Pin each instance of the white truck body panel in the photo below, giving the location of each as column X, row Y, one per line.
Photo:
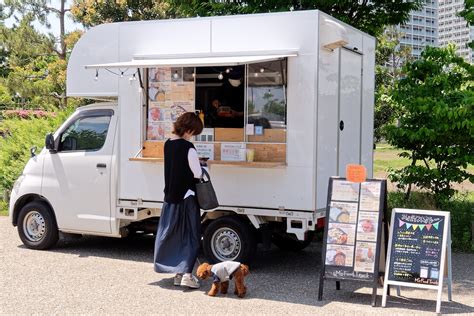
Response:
column 324, row 86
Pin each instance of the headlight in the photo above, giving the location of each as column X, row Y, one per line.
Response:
column 18, row 182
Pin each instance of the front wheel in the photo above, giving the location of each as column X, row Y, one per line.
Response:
column 229, row 238
column 37, row 227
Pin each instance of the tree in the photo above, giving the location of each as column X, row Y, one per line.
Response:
column 34, row 73
column 369, row 16
column 93, row 12
column 436, row 122
column 390, row 57
column 468, row 15
column 40, row 9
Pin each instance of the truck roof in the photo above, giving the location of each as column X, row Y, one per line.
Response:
column 101, row 105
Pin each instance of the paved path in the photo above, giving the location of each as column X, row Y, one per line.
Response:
column 95, row 275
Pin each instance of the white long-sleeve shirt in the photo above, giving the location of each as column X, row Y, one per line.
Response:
column 195, row 166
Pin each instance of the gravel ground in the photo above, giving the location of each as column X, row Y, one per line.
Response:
column 95, row 275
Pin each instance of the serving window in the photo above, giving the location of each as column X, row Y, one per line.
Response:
column 243, row 109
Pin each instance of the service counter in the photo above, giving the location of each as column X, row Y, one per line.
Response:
column 269, row 149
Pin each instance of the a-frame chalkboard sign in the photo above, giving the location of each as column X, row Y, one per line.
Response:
column 353, row 232
column 419, row 244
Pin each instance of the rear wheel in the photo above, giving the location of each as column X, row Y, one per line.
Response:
column 37, row 227
column 229, row 238
column 289, row 242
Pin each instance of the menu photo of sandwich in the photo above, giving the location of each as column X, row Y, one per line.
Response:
column 339, row 255
column 342, row 234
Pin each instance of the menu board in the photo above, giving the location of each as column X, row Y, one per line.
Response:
column 419, row 245
column 353, row 219
column 170, row 94
column 416, row 248
column 352, row 236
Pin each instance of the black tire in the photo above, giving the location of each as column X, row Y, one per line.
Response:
column 233, row 232
column 289, row 242
column 42, row 233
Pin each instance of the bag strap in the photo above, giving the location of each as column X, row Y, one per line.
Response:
column 205, row 173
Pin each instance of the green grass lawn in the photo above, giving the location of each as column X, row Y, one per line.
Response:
column 386, row 157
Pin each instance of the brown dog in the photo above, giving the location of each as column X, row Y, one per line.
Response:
column 222, row 273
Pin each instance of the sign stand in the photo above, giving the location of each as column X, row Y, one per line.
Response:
column 353, row 229
column 418, row 259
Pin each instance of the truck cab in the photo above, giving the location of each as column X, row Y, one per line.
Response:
column 68, row 184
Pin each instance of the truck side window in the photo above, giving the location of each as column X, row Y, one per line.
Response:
column 85, row 133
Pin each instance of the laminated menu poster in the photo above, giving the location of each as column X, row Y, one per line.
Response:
column 419, row 246
column 352, row 237
column 233, row 152
column 169, row 96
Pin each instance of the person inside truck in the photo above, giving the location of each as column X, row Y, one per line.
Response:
column 222, row 115
column 178, row 236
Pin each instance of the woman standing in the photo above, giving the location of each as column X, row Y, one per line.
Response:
column 178, row 237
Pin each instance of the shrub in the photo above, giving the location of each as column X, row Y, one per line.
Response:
column 27, row 114
column 460, row 207
column 17, row 136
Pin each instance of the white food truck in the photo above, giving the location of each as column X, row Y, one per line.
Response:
column 287, row 102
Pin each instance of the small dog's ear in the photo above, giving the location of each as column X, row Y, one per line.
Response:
column 245, row 269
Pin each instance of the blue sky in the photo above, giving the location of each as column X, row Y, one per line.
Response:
column 54, row 21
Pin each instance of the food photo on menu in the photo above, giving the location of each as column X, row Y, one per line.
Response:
column 345, row 191
column 364, row 257
column 367, row 225
column 339, row 255
column 341, row 234
column 342, row 212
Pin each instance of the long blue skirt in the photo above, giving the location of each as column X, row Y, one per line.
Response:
column 178, row 237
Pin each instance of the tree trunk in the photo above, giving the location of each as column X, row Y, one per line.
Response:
column 62, row 36
column 62, row 31
column 407, row 195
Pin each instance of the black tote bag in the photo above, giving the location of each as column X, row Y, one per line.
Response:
column 205, row 193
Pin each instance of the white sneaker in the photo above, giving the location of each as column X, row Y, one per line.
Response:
column 190, row 281
column 177, row 279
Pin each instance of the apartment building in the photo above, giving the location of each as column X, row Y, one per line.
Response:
column 453, row 28
column 421, row 29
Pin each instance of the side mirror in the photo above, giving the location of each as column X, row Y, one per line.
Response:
column 33, row 151
column 49, row 142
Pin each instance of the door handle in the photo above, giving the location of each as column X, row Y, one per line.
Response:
column 101, row 165
column 341, row 125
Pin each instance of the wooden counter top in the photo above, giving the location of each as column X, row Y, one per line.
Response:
column 147, row 159
column 244, row 164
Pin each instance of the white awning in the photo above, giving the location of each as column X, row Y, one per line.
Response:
column 203, row 61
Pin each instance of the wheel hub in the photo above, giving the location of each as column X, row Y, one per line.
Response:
column 226, row 244
column 34, row 226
